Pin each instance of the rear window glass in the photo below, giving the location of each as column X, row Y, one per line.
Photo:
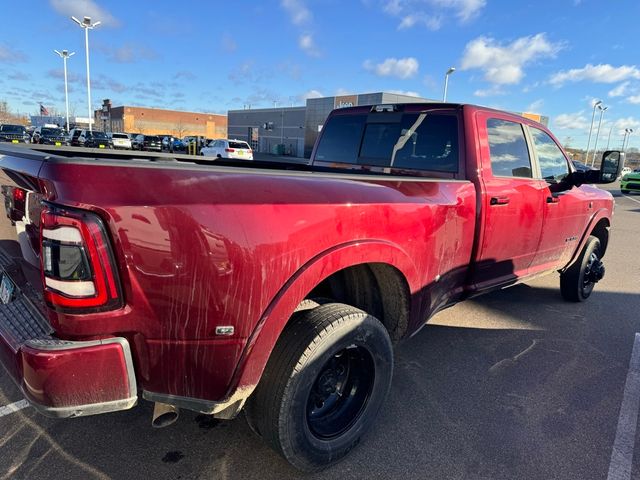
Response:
column 420, row 141
column 238, row 145
column 152, row 139
column 100, row 135
column 51, row 131
column 120, row 135
column 15, row 129
column 508, row 149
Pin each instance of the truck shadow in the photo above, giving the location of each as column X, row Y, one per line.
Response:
column 487, row 389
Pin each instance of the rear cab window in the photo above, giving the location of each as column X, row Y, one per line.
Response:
column 423, row 141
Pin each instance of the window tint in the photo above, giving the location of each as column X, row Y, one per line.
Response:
column 553, row 163
column 120, row 135
column 238, row 145
column 412, row 141
column 340, row 139
column 508, row 149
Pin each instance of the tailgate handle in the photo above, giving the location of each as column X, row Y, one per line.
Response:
column 499, row 201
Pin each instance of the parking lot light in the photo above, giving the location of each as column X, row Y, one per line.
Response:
column 87, row 25
column 593, row 116
column 65, row 54
column 446, row 82
column 595, row 145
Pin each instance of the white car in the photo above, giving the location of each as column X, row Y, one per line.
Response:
column 121, row 140
column 233, row 149
column 625, row 171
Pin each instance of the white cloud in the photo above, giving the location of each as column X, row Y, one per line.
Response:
column 311, row 94
column 620, row 90
column 602, row 73
column 503, row 64
column 308, row 46
column 536, row 106
column 297, row 10
column 394, row 67
column 489, row 92
column 409, row 93
column 84, row 8
column 635, row 99
column 228, row 44
column 431, row 13
column 572, row 121
column 343, row 91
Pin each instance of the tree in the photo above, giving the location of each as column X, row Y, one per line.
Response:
column 179, row 129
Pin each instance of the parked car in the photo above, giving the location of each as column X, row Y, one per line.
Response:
column 232, row 149
column 625, row 170
column 97, row 139
column 147, row 143
column 630, row 182
column 172, row 144
column 13, row 133
column 49, row 136
column 281, row 289
column 76, row 137
column 121, row 140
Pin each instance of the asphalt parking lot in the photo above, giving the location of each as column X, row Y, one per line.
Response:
column 517, row 384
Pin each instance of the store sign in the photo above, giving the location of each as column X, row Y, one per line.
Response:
column 345, row 101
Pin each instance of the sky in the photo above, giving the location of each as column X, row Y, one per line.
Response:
column 555, row 57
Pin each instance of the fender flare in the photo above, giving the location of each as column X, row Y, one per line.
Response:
column 600, row 214
column 262, row 340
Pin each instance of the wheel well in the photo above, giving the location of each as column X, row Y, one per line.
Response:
column 601, row 231
column 377, row 288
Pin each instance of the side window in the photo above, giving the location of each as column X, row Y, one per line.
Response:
column 553, row 163
column 508, row 149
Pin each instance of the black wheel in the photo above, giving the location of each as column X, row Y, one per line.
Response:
column 323, row 386
column 624, row 191
column 577, row 282
column 219, row 156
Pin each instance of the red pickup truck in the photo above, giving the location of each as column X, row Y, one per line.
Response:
column 274, row 287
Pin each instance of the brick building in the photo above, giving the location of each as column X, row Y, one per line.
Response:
column 154, row 121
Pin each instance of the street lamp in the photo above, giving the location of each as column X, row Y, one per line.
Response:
column 593, row 115
column 609, row 138
column 446, row 82
column 87, row 25
column 625, row 140
column 595, row 145
column 64, row 54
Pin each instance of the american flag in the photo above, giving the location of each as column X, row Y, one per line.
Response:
column 43, row 110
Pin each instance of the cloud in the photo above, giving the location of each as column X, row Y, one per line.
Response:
column 84, row 8
column 489, row 92
column 402, row 68
column 602, row 73
column 431, row 13
column 104, row 82
column 184, row 74
column 10, row 55
column 635, row 99
column 311, row 94
column 620, row 90
column 19, row 76
column 72, row 77
column 228, row 44
column 503, row 64
column 408, row 93
column 297, row 10
column 130, row 53
column 535, row 106
column 308, row 46
column 572, row 121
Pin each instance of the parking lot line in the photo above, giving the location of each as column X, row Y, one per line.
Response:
column 630, row 198
column 13, row 407
column 622, row 454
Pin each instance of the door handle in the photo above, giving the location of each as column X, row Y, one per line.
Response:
column 499, row 201
column 553, row 199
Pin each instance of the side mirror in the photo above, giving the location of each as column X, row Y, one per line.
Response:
column 610, row 168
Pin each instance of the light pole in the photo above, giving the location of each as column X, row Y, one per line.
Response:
column 593, row 115
column 446, row 82
column 609, row 139
column 625, row 140
column 64, row 54
column 595, row 144
column 87, row 25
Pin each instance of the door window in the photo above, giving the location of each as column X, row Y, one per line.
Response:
column 508, row 149
column 553, row 163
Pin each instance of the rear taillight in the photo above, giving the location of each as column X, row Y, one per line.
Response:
column 78, row 268
column 230, row 150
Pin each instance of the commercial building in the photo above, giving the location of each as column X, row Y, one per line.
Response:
column 294, row 130
column 157, row 121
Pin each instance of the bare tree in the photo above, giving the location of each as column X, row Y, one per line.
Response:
column 179, row 129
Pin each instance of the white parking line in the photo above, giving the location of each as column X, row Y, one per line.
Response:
column 13, row 407
column 630, row 198
column 622, row 454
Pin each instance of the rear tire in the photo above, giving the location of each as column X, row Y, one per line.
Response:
column 624, row 191
column 323, row 386
column 577, row 282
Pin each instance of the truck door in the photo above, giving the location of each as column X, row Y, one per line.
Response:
column 511, row 201
column 565, row 212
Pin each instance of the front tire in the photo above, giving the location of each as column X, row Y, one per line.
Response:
column 323, row 386
column 625, row 191
column 578, row 281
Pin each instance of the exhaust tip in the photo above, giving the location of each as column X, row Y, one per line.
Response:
column 164, row 415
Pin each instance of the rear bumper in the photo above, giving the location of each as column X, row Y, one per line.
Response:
column 64, row 378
